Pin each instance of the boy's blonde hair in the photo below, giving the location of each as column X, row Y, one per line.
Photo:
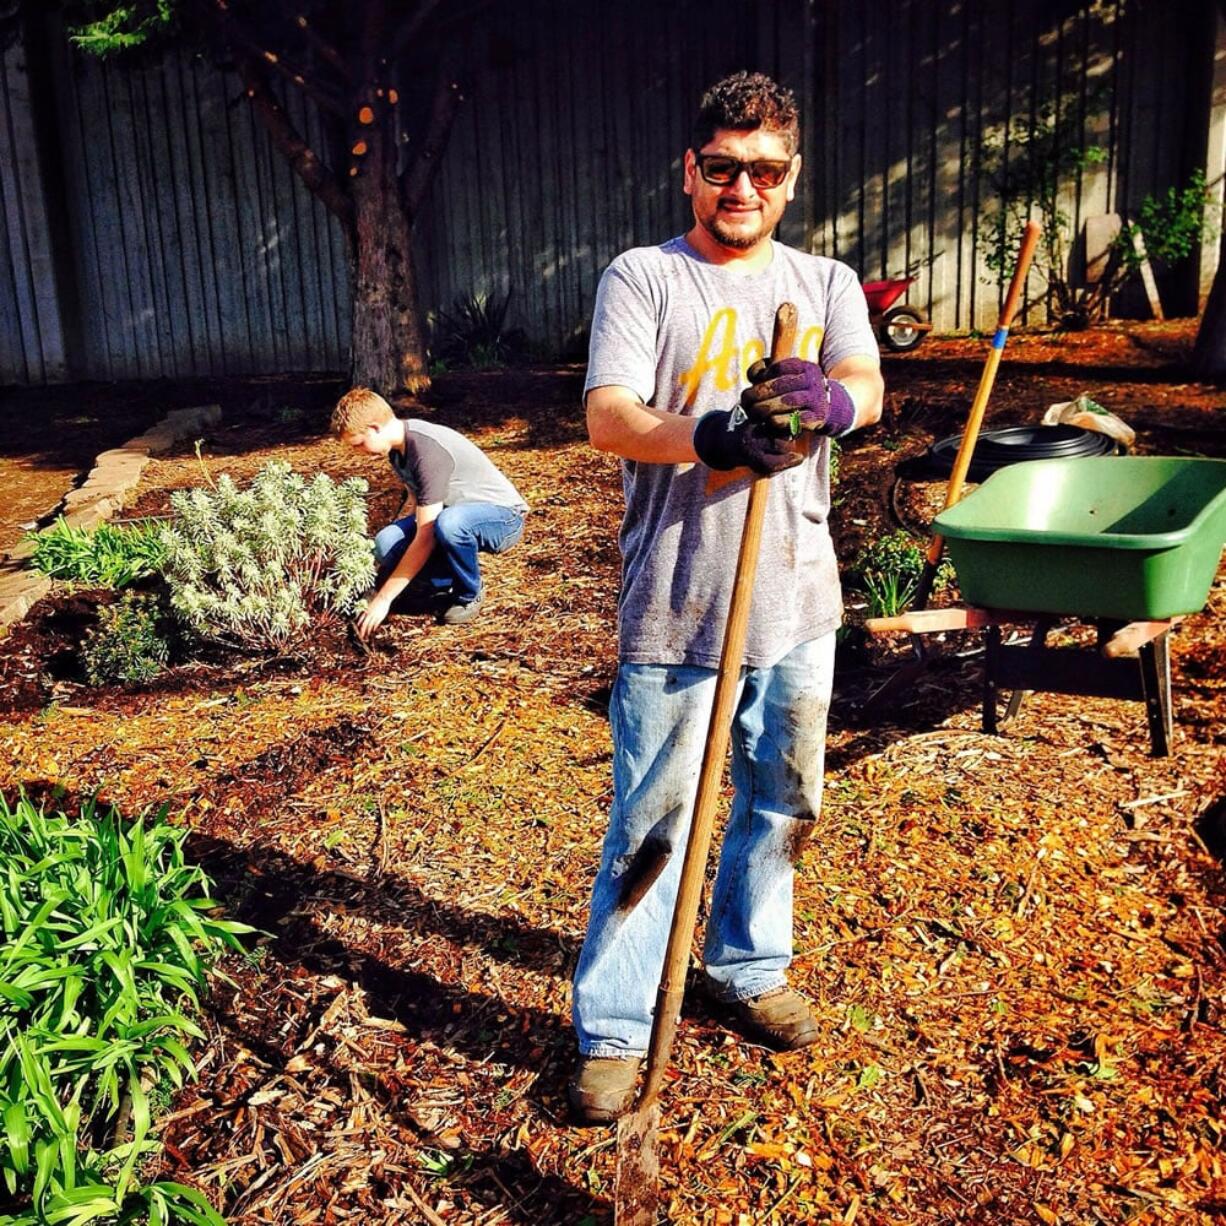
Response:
column 358, row 408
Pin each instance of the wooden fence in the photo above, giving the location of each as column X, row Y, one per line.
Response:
column 150, row 229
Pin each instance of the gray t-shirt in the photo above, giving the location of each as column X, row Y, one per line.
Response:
column 440, row 465
column 681, row 332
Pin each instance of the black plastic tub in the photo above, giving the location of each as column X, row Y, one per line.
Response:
column 996, row 449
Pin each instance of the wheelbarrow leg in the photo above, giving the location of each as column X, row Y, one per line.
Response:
column 990, row 660
column 1154, row 659
column 1038, row 640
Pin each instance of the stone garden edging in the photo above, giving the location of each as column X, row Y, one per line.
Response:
column 114, row 476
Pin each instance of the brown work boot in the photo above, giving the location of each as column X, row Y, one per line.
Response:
column 780, row 1019
column 602, row 1088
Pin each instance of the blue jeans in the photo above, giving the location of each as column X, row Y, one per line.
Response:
column 659, row 716
column 460, row 532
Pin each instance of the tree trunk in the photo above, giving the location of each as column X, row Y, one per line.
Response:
column 1209, row 354
column 389, row 343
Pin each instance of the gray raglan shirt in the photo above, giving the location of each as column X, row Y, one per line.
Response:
column 680, row 333
column 440, row 465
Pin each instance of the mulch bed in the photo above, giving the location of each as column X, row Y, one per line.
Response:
column 1016, row 944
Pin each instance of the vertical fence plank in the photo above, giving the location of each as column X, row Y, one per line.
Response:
column 20, row 348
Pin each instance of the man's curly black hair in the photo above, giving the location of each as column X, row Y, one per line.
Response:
column 743, row 102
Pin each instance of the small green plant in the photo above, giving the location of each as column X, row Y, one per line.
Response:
column 836, row 458
column 254, row 568
column 106, row 556
column 108, row 934
column 889, row 570
column 126, row 644
column 473, row 333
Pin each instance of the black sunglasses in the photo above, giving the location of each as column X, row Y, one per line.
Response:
column 720, row 170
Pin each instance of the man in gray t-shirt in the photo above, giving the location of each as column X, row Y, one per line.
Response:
column 678, row 332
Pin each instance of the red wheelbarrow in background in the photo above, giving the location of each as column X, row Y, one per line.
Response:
column 900, row 327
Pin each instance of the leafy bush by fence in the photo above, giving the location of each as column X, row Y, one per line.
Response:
column 252, row 568
column 107, row 937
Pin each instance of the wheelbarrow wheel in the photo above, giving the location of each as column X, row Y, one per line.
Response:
column 899, row 330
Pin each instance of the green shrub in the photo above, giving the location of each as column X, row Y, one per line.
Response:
column 889, row 570
column 106, row 556
column 108, row 934
column 253, row 568
column 473, row 333
column 126, row 644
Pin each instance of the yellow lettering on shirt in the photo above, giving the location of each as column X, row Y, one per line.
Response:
column 717, row 353
column 810, row 347
column 727, row 363
column 754, row 350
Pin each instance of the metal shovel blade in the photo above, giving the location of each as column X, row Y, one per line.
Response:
column 637, row 1187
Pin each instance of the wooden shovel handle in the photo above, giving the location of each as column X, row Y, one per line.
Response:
column 970, row 435
column 693, row 869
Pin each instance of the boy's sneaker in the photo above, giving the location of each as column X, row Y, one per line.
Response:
column 780, row 1019
column 602, row 1088
column 457, row 614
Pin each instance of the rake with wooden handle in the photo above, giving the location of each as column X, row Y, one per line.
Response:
column 970, row 435
column 910, row 671
column 638, row 1164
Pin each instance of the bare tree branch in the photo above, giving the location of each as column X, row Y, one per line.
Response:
column 301, row 157
column 374, row 39
column 415, row 21
column 302, row 23
column 241, row 38
column 448, row 96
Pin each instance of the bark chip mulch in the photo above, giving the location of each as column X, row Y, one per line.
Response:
column 1015, row 944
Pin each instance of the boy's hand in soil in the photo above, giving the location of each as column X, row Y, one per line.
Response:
column 374, row 615
column 793, row 395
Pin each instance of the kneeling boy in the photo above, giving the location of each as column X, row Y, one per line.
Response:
column 464, row 506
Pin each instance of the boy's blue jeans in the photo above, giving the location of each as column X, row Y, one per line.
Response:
column 460, row 533
column 659, row 716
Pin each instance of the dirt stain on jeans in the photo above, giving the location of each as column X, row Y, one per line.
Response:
column 797, row 835
column 648, row 862
column 645, row 867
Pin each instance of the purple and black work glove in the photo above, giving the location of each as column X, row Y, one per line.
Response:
column 792, row 396
column 728, row 438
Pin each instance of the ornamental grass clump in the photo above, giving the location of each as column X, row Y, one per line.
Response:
column 255, row 568
column 106, row 556
column 107, row 937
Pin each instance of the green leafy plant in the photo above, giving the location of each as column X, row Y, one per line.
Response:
column 1175, row 222
column 106, row 556
column 126, row 644
column 1032, row 165
column 254, row 568
column 123, row 27
column 473, row 333
column 889, row 570
column 108, row 934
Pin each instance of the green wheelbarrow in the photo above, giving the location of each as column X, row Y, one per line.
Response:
column 1131, row 544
